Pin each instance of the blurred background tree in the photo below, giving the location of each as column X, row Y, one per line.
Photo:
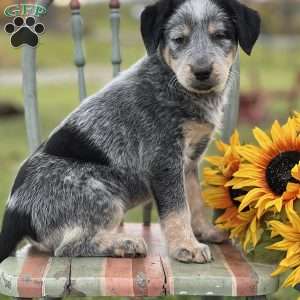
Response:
column 279, row 16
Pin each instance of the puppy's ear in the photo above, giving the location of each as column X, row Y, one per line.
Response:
column 247, row 22
column 153, row 20
column 150, row 34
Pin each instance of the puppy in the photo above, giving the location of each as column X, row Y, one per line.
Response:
column 140, row 138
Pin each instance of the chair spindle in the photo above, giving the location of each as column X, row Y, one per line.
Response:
column 79, row 54
column 30, row 92
column 30, row 97
column 114, row 6
column 231, row 112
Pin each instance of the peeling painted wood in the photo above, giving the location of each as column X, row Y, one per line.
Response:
column 34, row 274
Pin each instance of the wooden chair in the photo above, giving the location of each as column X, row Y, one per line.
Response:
column 36, row 275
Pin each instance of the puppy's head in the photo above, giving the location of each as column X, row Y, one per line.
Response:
column 198, row 39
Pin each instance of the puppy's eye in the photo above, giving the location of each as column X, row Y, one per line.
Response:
column 179, row 40
column 220, row 36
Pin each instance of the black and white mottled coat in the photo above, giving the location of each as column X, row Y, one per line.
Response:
column 138, row 139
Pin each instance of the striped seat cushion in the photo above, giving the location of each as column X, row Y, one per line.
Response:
column 33, row 274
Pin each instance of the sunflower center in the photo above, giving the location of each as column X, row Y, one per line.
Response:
column 278, row 172
column 234, row 194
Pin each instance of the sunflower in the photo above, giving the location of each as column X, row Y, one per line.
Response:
column 266, row 169
column 297, row 120
column 290, row 244
column 242, row 225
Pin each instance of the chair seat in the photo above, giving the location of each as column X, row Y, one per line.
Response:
column 33, row 274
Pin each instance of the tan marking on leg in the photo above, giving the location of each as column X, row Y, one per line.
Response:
column 182, row 244
column 202, row 229
column 193, row 132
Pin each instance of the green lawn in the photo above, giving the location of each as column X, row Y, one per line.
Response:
column 275, row 68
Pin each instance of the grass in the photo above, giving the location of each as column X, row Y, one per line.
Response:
column 270, row 69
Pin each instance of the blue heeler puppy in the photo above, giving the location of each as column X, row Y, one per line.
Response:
column 139, row 139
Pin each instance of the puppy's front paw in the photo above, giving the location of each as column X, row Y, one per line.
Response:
column 191, row 251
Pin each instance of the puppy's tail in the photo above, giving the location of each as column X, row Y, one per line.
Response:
column 12, row 233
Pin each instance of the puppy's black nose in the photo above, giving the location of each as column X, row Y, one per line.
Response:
column 202, row 72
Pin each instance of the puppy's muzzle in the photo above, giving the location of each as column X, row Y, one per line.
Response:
column 202, row 72
column 202, row 76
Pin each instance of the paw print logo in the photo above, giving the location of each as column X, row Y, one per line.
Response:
column 24, row 32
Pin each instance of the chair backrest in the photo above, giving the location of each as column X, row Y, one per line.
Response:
column 29, row 66
column 30, row 82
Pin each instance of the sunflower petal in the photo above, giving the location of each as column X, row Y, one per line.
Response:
column 247, row 240
column 278, row 202
column 280, row 246
column 222, row 147
column 292, row 215
column 262, row 138
column 214, row 179
column 252, row 196
column 294, row 249
column 296, row 172
column 228, row 214
column 292, row 279
column 214, row 160
column 286, row 231
column 277, row 133
column 279, row 270
column 291, row 262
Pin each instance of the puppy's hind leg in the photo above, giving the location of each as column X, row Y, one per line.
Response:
column 95, row 200
column 101, row 238
column 81, row 247
column 104, row 244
